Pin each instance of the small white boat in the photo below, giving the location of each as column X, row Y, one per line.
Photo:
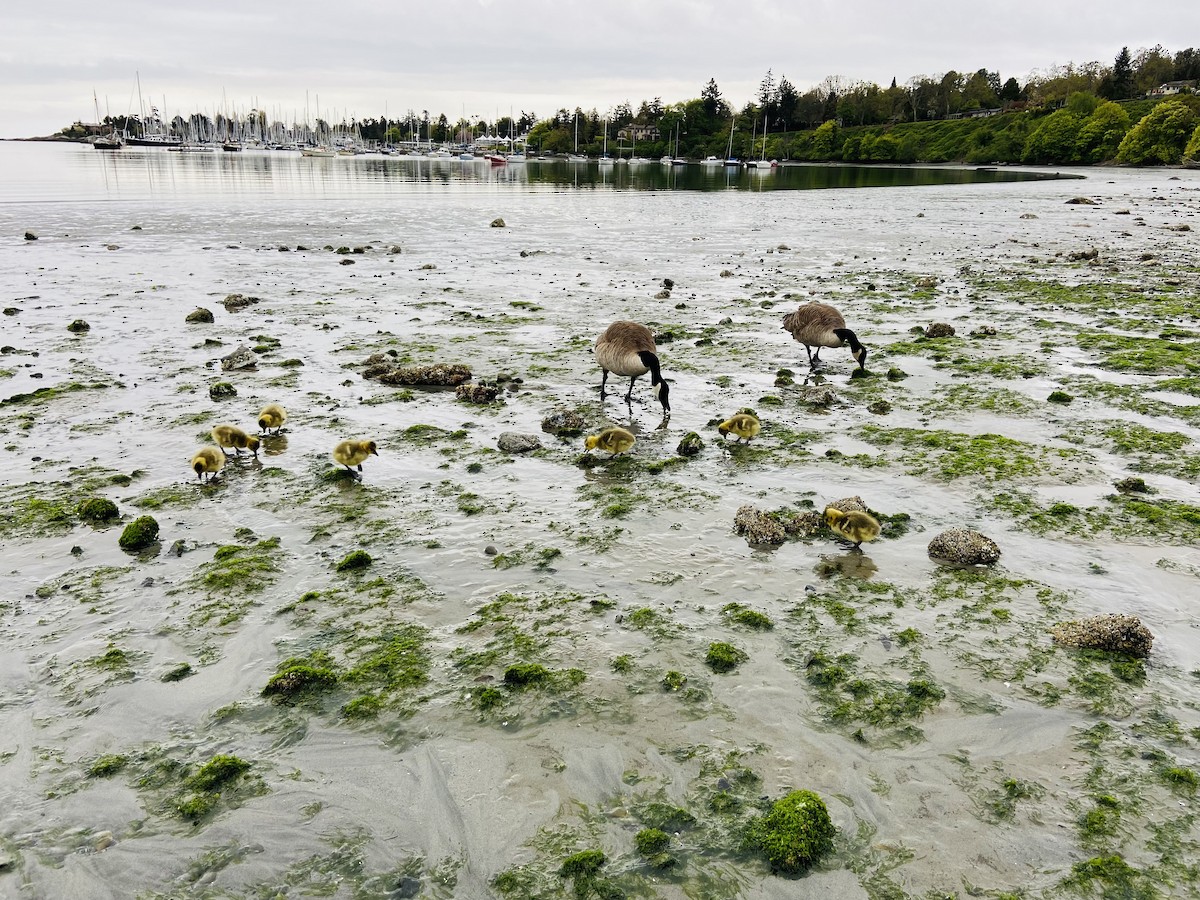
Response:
column 317, row 151
column 711, row 161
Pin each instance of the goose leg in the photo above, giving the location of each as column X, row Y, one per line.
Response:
column 629, row 393
column 603, row 381
column 816, row 357
column 808, row 350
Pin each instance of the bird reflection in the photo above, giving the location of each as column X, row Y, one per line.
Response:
column 853, row 564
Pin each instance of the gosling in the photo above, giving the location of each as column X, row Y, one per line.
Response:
column 627, row 348
column 271, row 418
column 855, row 527
column 208, row 461
column 821, row 325
column 234, row 438
column 743, row 425
column 611, row 441
column 352, row 453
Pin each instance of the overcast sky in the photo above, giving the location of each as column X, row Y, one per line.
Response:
column 481, row 58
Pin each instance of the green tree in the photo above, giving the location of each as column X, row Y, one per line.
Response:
column 823, row 140
column 1053, row 141
column 711, row 95
column 1101, row 134
column 787, row 100
column 1192, row 150
column 1151, row 68
column 1187, row 64
column 1122, row 76
column 1011, row 92
column 1160, row 137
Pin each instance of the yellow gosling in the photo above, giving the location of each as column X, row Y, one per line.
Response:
column 272, row 418
column 352, row 453
column 743, row 425
column 611, row 441
column 233, row 438
column 855, row 527
column 208, row 461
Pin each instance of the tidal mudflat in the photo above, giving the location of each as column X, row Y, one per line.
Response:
column 465, row 674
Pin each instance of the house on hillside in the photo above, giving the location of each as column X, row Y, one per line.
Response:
column 636, row 132
column 1174, row 87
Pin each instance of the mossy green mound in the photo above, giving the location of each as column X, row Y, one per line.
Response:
column 139, row 534
column 97, row 510
column 795, row 833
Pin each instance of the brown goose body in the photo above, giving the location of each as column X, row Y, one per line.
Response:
column 821, row 325
column 627, row 348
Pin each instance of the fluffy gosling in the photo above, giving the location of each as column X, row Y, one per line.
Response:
column 352, row 453
column 743, row 425
column 271, row 418
column 208, row 461
column 855, row 527
column 234, row 438
column 611, row 441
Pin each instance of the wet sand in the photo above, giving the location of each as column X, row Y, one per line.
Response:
column 962, row 751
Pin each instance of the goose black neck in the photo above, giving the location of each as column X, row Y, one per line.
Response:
column 848, row 337
column 650, row 361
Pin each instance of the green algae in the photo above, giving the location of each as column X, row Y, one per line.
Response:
column 108, row 765
column 301, row 678
column 139, row 534
column 950, row 455
column 751, row 619
column 354, row 561
column 1144, row 355
column 97, row 510
column 239, row 570
column 795, row 833
column 724, row 657
column 50, row 394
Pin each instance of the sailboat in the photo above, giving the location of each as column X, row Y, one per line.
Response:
column 763, row 163
column 111, row 141
column 729, row 158
column 605, row 159
column 576, row 157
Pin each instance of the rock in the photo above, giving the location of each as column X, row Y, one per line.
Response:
column 1028, row 216
column 11, row 310
column 663, row 295
column 200, row 314
column 728, row 320
column 241, row 358
column 818, row 395
column 477, row 393
column 79, row 327
column 984, row 331
column 498, row 222
column 234, row 302
column 1133, row 485
column 1114, row 633
column 668, row 283
column 222, row 390
column 490, row 550
column 515, row 442
column 97, row 510
column 850, row 504
column 102, row 840
column 1081, row 201
column 30, row 236
column 563, row 422
column 1059, row 397
column 690, row 445
column 939, row 330
column 437, row 375
column 406, row 888
column 964, row 547
column 139, row 534
column 894, row 374
column 758, row 527
column 879, row 408
column 178, row 548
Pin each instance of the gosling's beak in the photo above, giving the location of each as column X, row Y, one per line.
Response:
column 374, row 452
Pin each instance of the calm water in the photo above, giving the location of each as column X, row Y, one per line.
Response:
column 41, row 172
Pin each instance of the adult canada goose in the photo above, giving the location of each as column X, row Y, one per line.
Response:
column 855, row 527
column 627, row 348
column 821, row 325
column 208, row 461
column 272, row 418
column 232, row 437
column 611, row 440
column 743, row 425
column 352, row 453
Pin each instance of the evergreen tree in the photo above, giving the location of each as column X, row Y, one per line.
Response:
column 1122, row 76
column 711, row 95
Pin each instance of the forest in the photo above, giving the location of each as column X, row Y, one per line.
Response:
column 1142, row 109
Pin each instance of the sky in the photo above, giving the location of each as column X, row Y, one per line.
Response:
column 485, row 58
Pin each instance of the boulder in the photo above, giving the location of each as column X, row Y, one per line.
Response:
column 477, row 393
column 200, row 314
column 850, row 504
column 939, row 330
column 241, row 358
column 516, row 442
column 965, row 547
column 563, row 422
column 79, row 327
column 690, row 445
column 498, row 222
column 1115, row 633
column 436, row 375
column 234, row 302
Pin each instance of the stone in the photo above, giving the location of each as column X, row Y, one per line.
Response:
column 436, row 375
column 516, row 442
column 1081, row 201
column 481, row 392
column 984, row 331
column 758, row 527
column 139, row 534
column 939, row 330
column 241, row 358
column 879, row 408
column 30, row 236
column 1113, row 632
column 965, row 547
column 200, row 314
column 850, row 504
column 691, row 444
column 498, row 222
column 79, row 327
column 563, row 422
column 222, row 390
column 406, row 888
column 1132, row 485
column 818, row 395
column 234, row 302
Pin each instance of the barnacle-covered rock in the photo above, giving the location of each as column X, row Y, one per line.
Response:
column 234, row 302
column 690, row 445
column 437, row 375
column 200, row 314
column 964, row 547
column 850, row 504
column 939, row 330
column 563, row 422
column 481, row 392
column 1114, row 632
column 758, row 527
column 241, row 358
